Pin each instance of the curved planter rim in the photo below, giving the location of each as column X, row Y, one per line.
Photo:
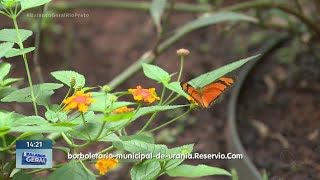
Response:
column 245, row 167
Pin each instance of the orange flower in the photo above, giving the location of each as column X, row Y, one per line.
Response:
column 104, row 165
column 79, row 100
column 122, row 110
column 144, row 95
column 183, row 52
column 193, row 101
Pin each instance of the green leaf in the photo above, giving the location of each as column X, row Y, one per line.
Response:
column 30, row 120
column 65, row 124
column 118, row 117
column 4, row 70
column 156, row 10
column 92, row 129
column 88, row 116
column 5, row 91
column 42, row 93
column 151, row 169
column 4, row 48
column 4, row 130
column 21, row 176
column 27, row 4
column 8, row 3
column 55, row 116
column 9, row 81
column 147, row 138
column 184, row 150
column 135, row 146
column 213, row 18
column 40, row 129
column 103, row 102
column 71, row 171
column 8, row 118
column 156, row 73
column 209, row 77
column 17, row 52
column 66, row 76
column 147, row 110
column 144, row 111
column 110, row 138
column 145, row 170
column 176, row 87
column 38, row 136
column 196, row 171
column 10, row 35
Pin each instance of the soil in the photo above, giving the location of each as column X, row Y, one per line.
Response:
column 283, row 98
column 104, row 44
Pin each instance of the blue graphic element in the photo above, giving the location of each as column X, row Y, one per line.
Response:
column 34, row 154
column 31, row 158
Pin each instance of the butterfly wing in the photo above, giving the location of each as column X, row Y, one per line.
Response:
column 212, row 91
column 192, row 92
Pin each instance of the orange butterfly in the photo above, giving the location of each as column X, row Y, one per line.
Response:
column 207, row 95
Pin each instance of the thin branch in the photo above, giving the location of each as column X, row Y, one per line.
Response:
column 129, row 5
column 311, row 25
column 144, row 6
column 37, row 45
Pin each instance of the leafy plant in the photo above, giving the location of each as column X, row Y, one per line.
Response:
column 101, row 116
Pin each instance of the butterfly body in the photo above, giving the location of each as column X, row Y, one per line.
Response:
column 208, row 94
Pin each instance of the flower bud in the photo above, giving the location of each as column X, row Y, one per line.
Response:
column 183, row 52
column 78, row 87
column 106, row 89
column 72, row 81
column 113, row 98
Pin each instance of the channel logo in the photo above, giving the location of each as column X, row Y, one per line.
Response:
column 32, row 158
column 33, row 154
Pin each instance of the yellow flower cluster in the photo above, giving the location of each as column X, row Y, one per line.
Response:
column 144, row 95
column 193, row 101
column 104, row 165
column 122, row 110
column 79, row 100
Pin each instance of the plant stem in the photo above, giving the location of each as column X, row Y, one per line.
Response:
column 6, row 10
column 67, row 95
column 138, row 108
column 178, row 80
column 3, row 13
column 37, row 45
column 23, row 135
column 65, row 137
column 71, row 144
column 86, row 169
column 129, row 5
column 145, row 6
column 10, row 169
column 148, row 123
column 106, row 150
column 173, row 99
column 311, row 25
column 181, row 68
column 169, row 122
column 100, row 131
column 26, row 66
column 4, row 142
column 162, row 94
column 298, row 5
column 44, row 169
column 85, row 125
